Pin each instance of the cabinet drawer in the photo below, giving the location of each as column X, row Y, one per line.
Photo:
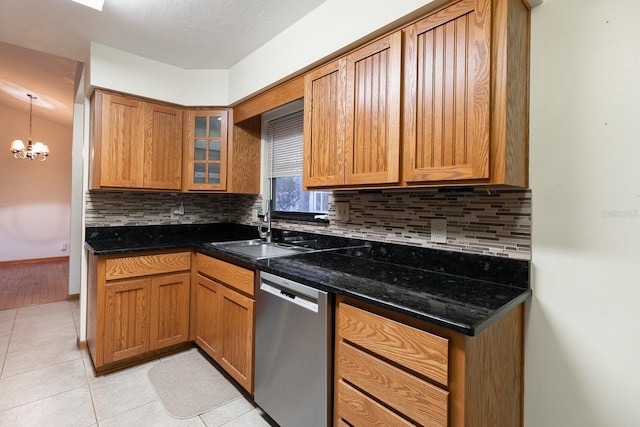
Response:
column 120, row 268
column 229, row 274
column 360, row 411
column 417, row 350
column 407, row 394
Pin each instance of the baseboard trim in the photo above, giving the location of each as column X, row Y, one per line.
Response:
column 73, row 297
column 35, row 260
column 136, row 360
column 81, row 344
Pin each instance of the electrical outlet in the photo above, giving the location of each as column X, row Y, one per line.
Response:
column 439, row 230
column 63, row 246
column 342, row 211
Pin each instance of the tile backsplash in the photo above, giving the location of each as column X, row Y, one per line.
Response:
column 479, row 220
column 116, row 208
column 483, row 221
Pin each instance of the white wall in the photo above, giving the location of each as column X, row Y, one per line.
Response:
column 582, row 337
column 125, row 72
column 35, row 196
column 329, row 28
column 76, row 231
column 332, row 26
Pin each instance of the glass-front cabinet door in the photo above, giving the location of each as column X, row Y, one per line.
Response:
column 206, row 140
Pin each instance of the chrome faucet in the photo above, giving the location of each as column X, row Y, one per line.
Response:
column 266, row 220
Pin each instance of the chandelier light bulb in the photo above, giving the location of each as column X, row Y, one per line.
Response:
column 17, row 145
column 38, row 147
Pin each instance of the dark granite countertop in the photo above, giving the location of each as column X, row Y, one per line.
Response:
column 131, row 239
column 458, row 303
column 459, row 291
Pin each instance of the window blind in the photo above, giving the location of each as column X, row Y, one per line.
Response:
column 284, row 146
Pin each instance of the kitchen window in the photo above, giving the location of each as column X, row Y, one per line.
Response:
column 284, row 146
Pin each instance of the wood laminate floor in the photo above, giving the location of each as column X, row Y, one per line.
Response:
column 33, row 283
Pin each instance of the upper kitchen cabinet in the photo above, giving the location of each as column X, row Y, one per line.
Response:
column 465, row 101
column 441, row 101
column 163, row 147
column 324, row 126
column 221, row 156
column 352, row 118
column 205, row 143
column 447, row 94
column 118, row 149
column 243, row 165
column 136, row 144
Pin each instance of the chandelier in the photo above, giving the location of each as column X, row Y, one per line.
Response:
column 37, row 151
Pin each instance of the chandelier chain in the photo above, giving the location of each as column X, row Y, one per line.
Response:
column 31, row 98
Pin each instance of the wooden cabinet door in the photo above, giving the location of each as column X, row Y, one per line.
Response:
column 205, row 145
column 126, row 324
column 163, row 147
column 352, row 118
column 372, row 113
column 236, row 336
column 206, row 325
column 447, row 94
column 324, row 125
column 169, row 310
column 121, row 146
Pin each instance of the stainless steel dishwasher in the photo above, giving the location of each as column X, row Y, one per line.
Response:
column 293, row 370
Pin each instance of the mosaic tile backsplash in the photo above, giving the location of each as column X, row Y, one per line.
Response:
column 484, row 221
column 117, row 208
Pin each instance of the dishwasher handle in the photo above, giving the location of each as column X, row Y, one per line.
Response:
column 303, row 301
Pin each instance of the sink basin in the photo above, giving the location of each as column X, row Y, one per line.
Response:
column 259, row 249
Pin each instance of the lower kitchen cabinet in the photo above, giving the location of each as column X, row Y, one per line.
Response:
column 237, row 314
column 392, row 370
column 223, row 316
column 204, row 314
column 169, row 310
column 127, row 310
column 136, row 305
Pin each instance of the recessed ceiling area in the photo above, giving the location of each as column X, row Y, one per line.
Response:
column 43, row 42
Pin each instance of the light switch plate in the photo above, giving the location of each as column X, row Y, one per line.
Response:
column 342, row 211
column 439, row 230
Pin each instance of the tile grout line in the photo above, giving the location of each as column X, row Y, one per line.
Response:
column 11, row 336
column 86, row 374
column 43, row 398
column 34, row 346
column 39, row 369
column 89, row 374
column 137, row 407
column 4, row 357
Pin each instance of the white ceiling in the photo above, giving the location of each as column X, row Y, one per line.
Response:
column 40, row 40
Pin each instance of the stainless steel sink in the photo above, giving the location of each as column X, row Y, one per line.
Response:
column 259, row 249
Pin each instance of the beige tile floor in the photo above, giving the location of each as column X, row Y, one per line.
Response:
column 46, row 381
